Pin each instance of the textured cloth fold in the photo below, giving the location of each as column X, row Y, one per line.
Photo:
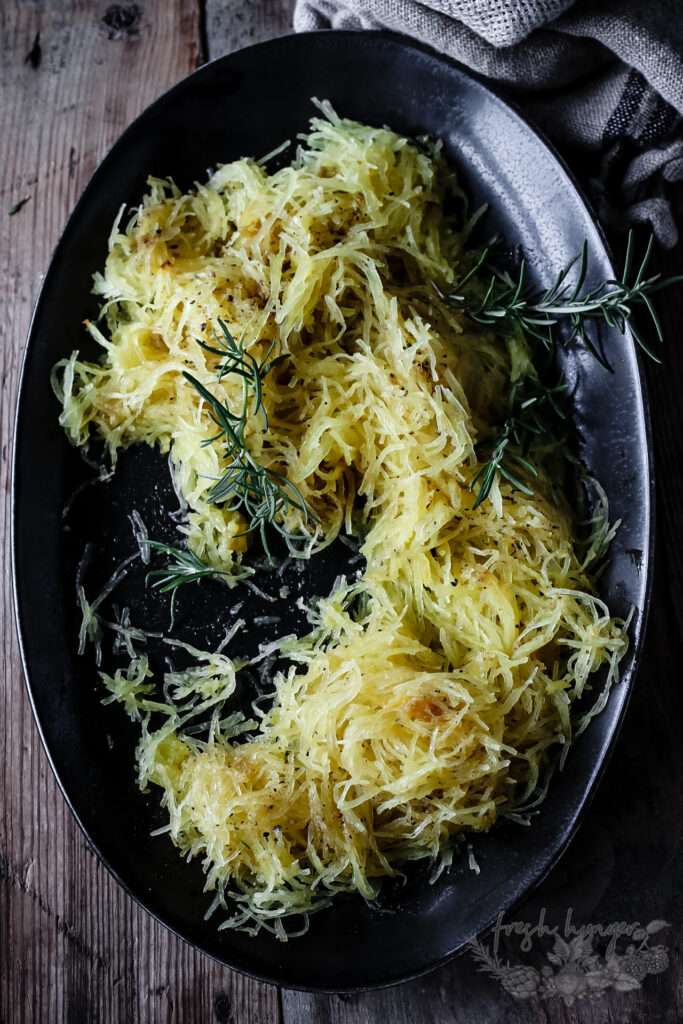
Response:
column 603, row 79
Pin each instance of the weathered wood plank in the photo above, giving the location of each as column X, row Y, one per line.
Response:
column 230, row 26
column 73, row 946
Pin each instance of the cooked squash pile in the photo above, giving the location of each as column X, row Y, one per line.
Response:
column 432, row 691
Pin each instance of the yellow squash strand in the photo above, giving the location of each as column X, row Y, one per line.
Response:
column 430, row 690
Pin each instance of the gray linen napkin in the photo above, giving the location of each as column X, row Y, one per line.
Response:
column 602, row 78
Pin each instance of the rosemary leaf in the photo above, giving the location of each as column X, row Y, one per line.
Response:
column 557, row 315
column 510, row 304
column 531, row 407
column 17, row 206
column 261, row 494
column 187, row 567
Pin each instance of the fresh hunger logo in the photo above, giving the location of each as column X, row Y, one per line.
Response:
column 575, row 967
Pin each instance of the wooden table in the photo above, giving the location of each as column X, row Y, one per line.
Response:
column 73, row 946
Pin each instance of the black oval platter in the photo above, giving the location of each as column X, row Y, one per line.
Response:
column 246, row 104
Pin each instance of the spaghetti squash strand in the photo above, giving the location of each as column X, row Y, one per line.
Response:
column 431, row 691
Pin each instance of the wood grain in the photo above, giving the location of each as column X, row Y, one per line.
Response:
column 230, row 26
column 73, row 946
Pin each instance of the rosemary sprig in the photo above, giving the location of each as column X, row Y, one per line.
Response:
column 262, row 494
column 509, row 305
column 530, row 404
column 187, row 568
column 556, row 315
